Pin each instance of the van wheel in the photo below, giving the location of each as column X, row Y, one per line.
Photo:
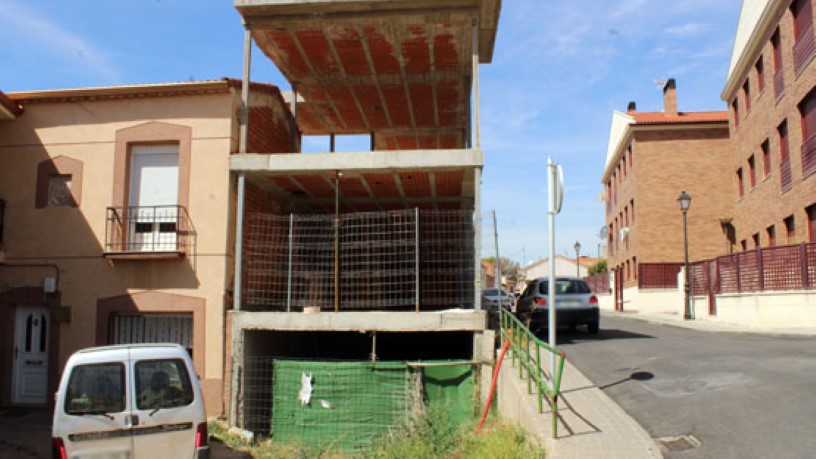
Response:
column 593, row 328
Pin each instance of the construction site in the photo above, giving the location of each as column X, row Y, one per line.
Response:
column 357, row 272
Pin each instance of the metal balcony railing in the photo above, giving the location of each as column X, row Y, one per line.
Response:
column 809, row 156
column 134, row 230
column 803, row 49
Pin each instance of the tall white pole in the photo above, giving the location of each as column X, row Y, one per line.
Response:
column 551, row 170
column 498, row 260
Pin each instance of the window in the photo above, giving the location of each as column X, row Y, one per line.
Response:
column 752, row 170
column 803, row 47
column 744, row 245
column 628, row 272
column 623, row 161
column 811, row 216
column 771, row 236
column 755, row 238
column 784, row 160
column 766, row 158
column 632, row 207
column 162, row 384
column 98, row 388
column 59, row 190
column 626, row 215
column 735, row 110
column 790, row 230
column 739, row 182
column 779, row 81
column 746, row 90
column 630, row 156
column 59, row 183
column 634, row 267
column 807, row 109
column 760, row 74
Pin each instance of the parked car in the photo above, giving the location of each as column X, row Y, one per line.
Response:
column 140, row 401
column 490, row 299
column 575, row 304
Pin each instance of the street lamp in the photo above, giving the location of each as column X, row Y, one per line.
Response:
column 684, row 201
column 577, row 247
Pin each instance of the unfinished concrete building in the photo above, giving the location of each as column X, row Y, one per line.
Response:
column 381, row 245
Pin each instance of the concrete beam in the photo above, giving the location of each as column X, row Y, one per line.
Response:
column 380, row 321
column 364, row 161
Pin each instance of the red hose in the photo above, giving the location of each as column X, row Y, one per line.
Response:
column 495, row 380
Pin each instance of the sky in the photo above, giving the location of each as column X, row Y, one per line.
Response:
column 559, row 69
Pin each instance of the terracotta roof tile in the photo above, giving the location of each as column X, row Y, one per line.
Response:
column 645, row 118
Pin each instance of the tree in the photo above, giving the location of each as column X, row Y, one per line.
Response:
column 598, row 268
column 509, row 268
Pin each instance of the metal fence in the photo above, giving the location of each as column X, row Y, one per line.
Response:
column 149, row 229
column 598, row 283
column 790, row 267
column 658, row 275
column 409, row 259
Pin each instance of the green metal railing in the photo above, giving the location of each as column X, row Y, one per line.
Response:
column 526, row 354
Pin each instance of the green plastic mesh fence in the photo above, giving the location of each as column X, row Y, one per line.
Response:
column 352, row 404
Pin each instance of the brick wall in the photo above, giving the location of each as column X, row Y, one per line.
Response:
column 766, row 204
column 664, row 163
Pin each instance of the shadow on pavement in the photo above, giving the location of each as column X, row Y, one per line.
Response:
column 565, row 336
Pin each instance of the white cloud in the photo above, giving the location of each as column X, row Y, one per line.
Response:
column 687, row 30
column 43, row 36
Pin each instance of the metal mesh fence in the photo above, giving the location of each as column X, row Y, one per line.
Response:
column 347, row 405
column 376, row 260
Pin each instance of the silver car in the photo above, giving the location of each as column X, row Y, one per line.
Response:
column 575, row 304
column 490, row 299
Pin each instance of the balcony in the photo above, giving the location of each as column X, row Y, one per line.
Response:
column 148, row 232
column 785, row 175
column 803, row 49
column 809, row 156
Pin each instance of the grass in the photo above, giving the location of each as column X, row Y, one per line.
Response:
column 430, row 436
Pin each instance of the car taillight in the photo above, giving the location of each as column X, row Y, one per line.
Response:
column 201, row 435
column 58, row 448
column 541, row 301
column 593, row 300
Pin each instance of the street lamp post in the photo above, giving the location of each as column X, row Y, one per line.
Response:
column 577, row 247
column 684, row 201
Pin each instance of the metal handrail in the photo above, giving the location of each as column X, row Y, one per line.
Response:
column 122, row 221
column 527, row 352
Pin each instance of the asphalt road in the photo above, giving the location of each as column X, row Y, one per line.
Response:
column 740, row 395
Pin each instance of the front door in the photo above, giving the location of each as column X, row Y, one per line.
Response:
column 30, row 378
column 153, row 197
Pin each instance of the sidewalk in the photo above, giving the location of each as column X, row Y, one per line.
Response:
column 709, row 324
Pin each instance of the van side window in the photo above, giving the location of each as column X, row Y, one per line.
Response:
column 162, row 384
column 97, row 388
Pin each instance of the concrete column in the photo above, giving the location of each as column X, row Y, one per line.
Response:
column 477, row 237
column 244, row 121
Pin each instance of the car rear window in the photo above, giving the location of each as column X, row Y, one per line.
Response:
column 97, row 388
column 162, row 384
column 565, row 287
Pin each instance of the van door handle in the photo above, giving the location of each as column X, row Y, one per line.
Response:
column 133, row 420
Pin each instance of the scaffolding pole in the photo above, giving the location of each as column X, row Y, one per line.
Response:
column 289, row 275
column 416, row 242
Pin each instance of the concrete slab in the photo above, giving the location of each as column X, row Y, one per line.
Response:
column 381, row 321
column 359, row 161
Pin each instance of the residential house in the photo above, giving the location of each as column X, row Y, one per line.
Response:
column 115, row 224
column 771, row 93
column 651, row 158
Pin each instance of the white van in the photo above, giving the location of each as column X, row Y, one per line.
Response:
column 140, row 401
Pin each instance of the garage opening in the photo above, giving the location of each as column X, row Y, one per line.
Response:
column 359, row 385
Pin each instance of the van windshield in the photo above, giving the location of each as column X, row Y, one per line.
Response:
column 96, row 389
column 162, row 384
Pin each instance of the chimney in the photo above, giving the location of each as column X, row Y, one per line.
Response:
column 670, row 98
column 632, row 107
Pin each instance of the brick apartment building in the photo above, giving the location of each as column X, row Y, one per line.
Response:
column 652, row 157
column 771, row 94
